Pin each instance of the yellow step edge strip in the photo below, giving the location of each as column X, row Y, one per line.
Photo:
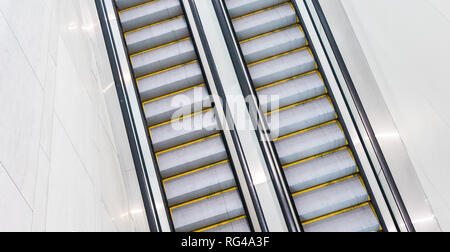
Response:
column 203, row 198
column 295, row 11
column 298, row 104
column 290, row 78
column 173, row 93
column 324, row 185
column 187, row 144
column 139, row 5
column 279, row 56
column 376, row 215
column 336, row 213
column 318, row 156
column 159, row 47
column 180, row 118
column 262, row 10
column 167, row 69
column 154, row 24
column 306, row 130
column 196, row 170
column 220, row 224
column 271, row 32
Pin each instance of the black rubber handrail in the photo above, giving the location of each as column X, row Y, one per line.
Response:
column 365, row 119
column 130, row 123
column 267, row 146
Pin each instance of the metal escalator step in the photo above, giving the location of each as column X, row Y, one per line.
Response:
column 124, row 4
column 291, row 91
column 282, row 67
column 361, row 219
column 237, row 226
column 157, row 35
column 260, row 23
column 207, row 212
column 174, row 106
column 330, row 198
column 273, row 44
column 192, row 156
column 301, row 117
column 185, row 130
column 320, row 170
column 163, row 58
column 148, row 13
column 170, row 81
column 310, row 143
column 237, row 8
column 200, row 183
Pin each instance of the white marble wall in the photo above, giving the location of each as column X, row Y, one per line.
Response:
column 407, row 45
column 64, row 160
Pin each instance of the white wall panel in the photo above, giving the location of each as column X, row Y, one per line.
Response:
column 65, row 163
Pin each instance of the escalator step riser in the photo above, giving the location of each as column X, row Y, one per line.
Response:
column 147, row 14
column 182, row 104
column 273, row 44
column 163, row 58
column 194, row 156
column 361, row 219
column 264, row 22
column 320, row 170
column 183, row 131
column 124, row 4
column 281, row 68
column 199, row 184
column 300, row 117
column 291, row 92
column 310, row 143
column 157, row 35
column 237, row 8
column 331, row 198
column 170, row 81
column 208, row 212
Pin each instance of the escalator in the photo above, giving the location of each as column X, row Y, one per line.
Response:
column 197, row 174
column 327, row 187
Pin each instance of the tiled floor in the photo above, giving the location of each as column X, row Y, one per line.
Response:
column 60, row 167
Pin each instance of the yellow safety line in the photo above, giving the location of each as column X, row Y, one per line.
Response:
column 325, row 184
column 306, row 130
column 187, row 144
column 262, row 10
column 139, row 5
column 343, row 132
column 167, row 69
column 298, row 104
column 181, row 118
column 376, row 215
column 336, row 213
column 289, row 79
column 295, row 11
column 314, row 58
column 154, row 24
column 269, row 33
column 194, row 171
column 220, row 224
column 173, row 93
column 203, row 198
column 317, row 156
column 278, row 56
column 161, row 46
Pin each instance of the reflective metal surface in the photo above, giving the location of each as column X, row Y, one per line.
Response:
column 381, row 120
